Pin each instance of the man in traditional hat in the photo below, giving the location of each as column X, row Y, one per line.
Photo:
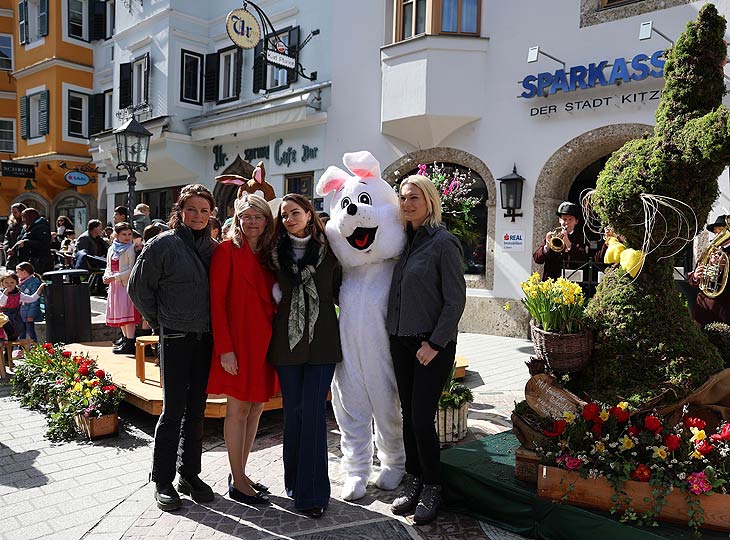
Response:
column 575, row 248
column 708, row 309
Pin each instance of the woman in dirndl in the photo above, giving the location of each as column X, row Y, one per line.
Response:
column 120, row 311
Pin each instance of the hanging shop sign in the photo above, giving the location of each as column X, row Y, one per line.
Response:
column 76, row 178
column 243, row 28
column 593, row 75
column 18, row 170
column 280, row 60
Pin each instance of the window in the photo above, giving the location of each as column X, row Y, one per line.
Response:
column 77, row 114
column 223, row 72
column 134, row 78
column 7, row 135
column 6, row 52
column 460, row 16
column 110, row 19
column 32, row 20
column 413, row 19
column 227, row 74
column 108, row 109
column 77, row 18
column 268, row 76
column 34, row 115
column 191, row 80
column 301, row 183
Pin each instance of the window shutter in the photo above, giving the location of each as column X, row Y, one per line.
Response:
column 239, row 72
column 147, row 78
column 259, row 67
column 23, row 21
column 211, row 76
column 97, row 20
column 43, row 113
column 125, row 85
column 42, row 17
column 24, row 120
column 292, row 74
column 97, row 113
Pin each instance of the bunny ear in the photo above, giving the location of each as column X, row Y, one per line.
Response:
column 332, row 180
column 231, row 179
column 362, row 164
column 259, row 173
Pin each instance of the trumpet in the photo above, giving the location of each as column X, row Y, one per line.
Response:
column 556, row 242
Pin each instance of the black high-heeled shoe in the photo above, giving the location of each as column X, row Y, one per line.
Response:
column 259, row 499
column 261, row 488
column 313, row 513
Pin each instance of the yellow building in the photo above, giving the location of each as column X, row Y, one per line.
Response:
column 47, row 99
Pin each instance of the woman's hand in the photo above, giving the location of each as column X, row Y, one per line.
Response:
column 426, row 353
column 107, row 280
column 229, row 363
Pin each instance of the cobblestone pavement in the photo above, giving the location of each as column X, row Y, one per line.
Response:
column 101, row 491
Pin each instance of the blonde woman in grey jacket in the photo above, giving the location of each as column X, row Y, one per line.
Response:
column 120, row 311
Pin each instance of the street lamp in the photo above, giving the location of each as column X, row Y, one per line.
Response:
column 133, row 144
column 510, row 188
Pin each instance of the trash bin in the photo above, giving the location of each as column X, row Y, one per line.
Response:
column 68, row 307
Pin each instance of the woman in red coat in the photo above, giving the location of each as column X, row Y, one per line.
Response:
column 242, row 310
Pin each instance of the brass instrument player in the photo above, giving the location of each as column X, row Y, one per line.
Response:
column 564, row 245
column 708, row 309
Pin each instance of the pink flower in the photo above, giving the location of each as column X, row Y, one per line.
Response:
column 698, row 483
column 573, row 463
column 422, row 169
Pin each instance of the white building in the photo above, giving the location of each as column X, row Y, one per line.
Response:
column 413, row 81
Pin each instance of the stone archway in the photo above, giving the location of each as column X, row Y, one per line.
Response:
column 40, row 203
column 559, row 172
column 411, row 161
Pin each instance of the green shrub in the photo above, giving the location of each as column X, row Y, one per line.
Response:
column 719, row 335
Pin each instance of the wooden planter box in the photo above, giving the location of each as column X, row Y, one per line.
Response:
column 97, row 428
column 451, row 423
column 554, row 484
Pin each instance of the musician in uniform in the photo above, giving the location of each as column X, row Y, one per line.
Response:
column 708, row 309
column 575, row 248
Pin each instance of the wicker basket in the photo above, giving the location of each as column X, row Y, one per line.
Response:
column 563, row 353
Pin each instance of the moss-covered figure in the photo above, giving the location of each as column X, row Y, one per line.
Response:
column 647, row 346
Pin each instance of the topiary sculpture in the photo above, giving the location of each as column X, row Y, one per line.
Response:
column 648, row 351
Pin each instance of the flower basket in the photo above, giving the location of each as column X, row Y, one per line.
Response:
column 451, row 423
column 98, row 427
column 563, row 353
column 559, row 485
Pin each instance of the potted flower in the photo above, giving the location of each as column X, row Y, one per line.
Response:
column 610, row 458
column 75, row 394
column 453, row 410
column 556, row 309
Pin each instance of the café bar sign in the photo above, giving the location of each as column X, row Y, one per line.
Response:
column 593, row 75
column 243, row 28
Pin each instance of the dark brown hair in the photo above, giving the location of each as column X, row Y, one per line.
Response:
column 150, row 231
column 123, row 226
column 28, row 268
column 29, row 215
column 65, row 221
column 216, row 224
column 122, row 211
column 315, row 225
column 188, row 192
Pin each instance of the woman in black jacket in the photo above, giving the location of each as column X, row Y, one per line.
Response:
column 34, row 244
column 15, row 227
column 304, row 348
column 169, row 286
column 426, row 300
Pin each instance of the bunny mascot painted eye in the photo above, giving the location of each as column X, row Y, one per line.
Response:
column 366, row 236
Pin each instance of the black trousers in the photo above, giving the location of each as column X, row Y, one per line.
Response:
column 419, row 389
column 184, row 367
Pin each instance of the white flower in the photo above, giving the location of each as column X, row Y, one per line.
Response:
column 681, row 475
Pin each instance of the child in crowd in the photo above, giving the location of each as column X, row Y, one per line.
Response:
column 10, row 300
column 30, row 312
column 120, row 312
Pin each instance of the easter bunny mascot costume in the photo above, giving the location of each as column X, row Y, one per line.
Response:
column 366, row 236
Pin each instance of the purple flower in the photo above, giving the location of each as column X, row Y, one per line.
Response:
column 698, row 483
column 422, row 169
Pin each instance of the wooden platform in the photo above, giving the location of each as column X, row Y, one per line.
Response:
column 147, row 395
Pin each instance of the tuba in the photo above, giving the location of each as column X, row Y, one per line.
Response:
column 716, row 264
column 556, row 242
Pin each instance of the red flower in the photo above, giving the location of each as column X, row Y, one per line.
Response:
column 83, row 370
column 109, row 388
column 591, row 411
column 653, row 424
column 642, row 473
column 633, row 431
column 597, row 428
column 621, row 415
column 51, row 351
column 694, row 422
column 558, row 428
column 66, row 354
column 671, row 441
column 100, row 373
column 48, row 346
column 704, row 447
column 724, row 434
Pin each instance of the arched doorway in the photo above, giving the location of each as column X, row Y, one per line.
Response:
column 75, row 209
column 482, row 252
column 33, row 200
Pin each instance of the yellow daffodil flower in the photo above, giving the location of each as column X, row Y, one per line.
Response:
column 569, row 417
column 626, row 443
column 696, row 455
column 697, row 434
column 659, row 452
column 603, row 415
column 623, row 405
column 599, row 447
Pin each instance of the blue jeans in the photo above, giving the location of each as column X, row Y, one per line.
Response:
column 28, row 331
column 304, row 392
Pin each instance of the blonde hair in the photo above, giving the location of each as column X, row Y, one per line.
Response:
column 235, row 231
column 430, row 193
